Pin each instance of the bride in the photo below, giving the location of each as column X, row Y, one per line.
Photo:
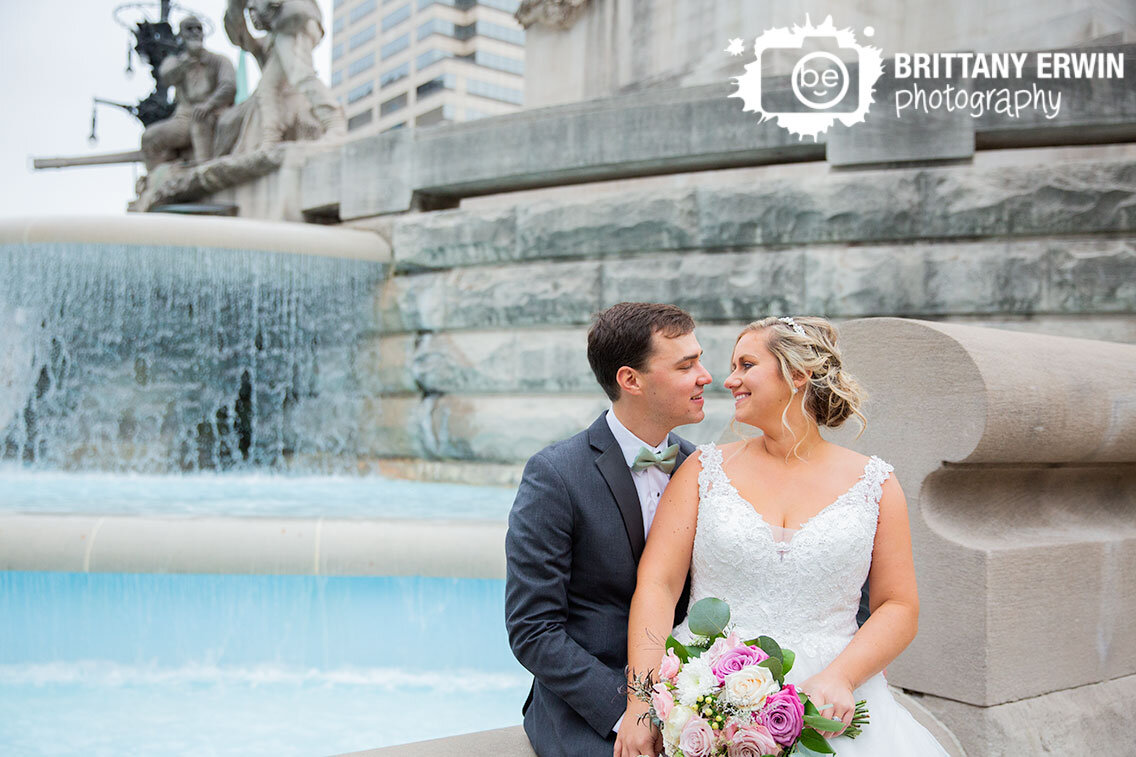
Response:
column 785, row 527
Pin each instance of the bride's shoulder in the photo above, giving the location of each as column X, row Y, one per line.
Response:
column 852, row 463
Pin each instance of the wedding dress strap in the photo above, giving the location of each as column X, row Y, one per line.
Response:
column 712, row 475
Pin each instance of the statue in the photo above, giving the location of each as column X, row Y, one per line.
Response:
column 205, row 84
column 290, row 100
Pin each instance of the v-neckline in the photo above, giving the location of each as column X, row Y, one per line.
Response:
column 800, row 529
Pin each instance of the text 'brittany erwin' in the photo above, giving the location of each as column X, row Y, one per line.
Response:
column 1047, row 65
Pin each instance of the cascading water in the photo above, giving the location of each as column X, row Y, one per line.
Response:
column 163, row 359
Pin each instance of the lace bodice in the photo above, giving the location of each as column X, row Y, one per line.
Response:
column 804, row 592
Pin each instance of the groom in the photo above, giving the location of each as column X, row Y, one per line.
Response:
column 580, row 521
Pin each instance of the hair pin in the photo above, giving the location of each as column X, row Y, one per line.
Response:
column 793, row 324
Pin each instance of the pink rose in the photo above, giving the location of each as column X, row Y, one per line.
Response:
column 670, row 665
column 721, row 646
column 697, row 739
column 662, row 701
column 735, row 659
column 752, row 740
column 783, row 714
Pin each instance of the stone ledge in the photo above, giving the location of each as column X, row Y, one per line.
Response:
column 318, row 546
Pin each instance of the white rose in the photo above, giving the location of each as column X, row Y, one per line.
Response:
column 672, row 729
column 749, row 686
column 696, row 679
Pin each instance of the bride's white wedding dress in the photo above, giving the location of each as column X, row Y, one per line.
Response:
column 802, row 588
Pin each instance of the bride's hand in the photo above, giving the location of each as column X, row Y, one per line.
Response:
column 635, row 737
column 830, row 688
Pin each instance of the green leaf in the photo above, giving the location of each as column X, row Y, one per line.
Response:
column 774, row 666
column 815, row 741
column 810, row 708
column 677, row 646
column 709, row 617
column 788, row 660
column 822, row 723
column 770, row 647
column 695, row 651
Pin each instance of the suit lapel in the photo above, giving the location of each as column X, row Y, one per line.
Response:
column 613, row 467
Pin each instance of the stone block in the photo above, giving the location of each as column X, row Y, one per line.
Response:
column 383, row 364
column 923, row 203
column 321, row 182
column 532, row 294
column 412, row 302
column 924, row 279
column 507, row 361
column 392, row 426
column 641, row 223
column 450, row 238
column 738, row 286
column 377, row 174
column 1093, row 276
column 508, row 429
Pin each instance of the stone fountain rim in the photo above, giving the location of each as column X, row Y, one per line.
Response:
column 167, row 230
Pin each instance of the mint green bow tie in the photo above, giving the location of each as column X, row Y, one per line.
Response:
column 664, row 461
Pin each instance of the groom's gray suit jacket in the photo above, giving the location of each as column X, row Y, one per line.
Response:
column 572, row 549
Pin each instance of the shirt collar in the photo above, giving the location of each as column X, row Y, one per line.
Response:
column 629, row 443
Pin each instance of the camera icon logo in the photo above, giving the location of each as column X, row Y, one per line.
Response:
column 831, row 78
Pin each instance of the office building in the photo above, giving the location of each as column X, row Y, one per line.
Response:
column 398, row 63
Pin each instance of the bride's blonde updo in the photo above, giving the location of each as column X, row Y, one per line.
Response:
column 832, row 396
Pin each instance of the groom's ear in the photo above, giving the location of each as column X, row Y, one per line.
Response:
column 629, row 381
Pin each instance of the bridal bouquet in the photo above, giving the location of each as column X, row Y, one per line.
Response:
column 727, row 696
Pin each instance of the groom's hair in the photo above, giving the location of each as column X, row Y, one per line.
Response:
column 621, row 335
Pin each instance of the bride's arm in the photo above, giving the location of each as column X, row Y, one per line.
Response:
column 894, row 603
column 662, row 572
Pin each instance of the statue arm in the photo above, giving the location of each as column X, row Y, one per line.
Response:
column 226, row 90
column 173, row 68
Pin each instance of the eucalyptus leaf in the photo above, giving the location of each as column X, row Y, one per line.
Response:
column 822, row 723
column 770, row 647
column 694, row 650
column 679, row 648
column 774, row 666
column 787, row 660
column 815, row 741
column 709, row 617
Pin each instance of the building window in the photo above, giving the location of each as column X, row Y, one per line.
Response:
column 430, row 57
column 337, row 78
column 496, row 62
column 461, row 5
column 338, row 4
column 435, row 26
column 494, row 91
column 509, row 6
column 391, row 20
column 391, row 75
column 337, row 51
column 339, row 25
column 395, row 46
column 360, row 120
column 363, row 9
column 503, row 33
column 445, row 81
column 361, row 65
column 440, row 115
column 393, row 105
column 360, row 92
column 362, row 37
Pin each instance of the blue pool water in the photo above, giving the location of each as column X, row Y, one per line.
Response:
column 34, row 491
column 118, row 664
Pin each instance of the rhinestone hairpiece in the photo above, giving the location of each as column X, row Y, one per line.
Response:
column 793, row 325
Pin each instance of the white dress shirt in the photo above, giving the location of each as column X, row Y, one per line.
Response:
column 649, row 482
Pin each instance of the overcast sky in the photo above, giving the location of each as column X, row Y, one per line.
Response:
column 56, row 55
